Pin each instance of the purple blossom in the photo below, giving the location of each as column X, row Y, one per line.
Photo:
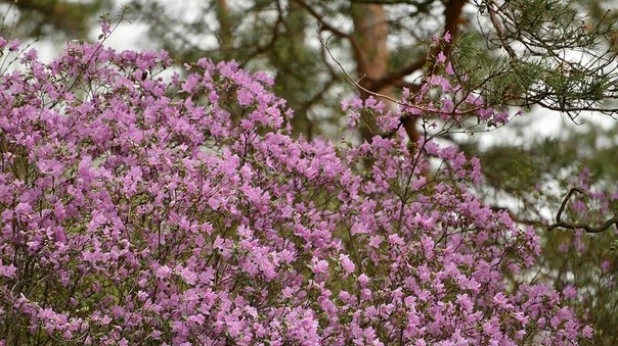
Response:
column 151, row 212
column 441, row 58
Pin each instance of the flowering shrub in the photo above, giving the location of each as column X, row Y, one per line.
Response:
column 139, row 211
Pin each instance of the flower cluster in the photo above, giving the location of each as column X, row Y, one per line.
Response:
column 137, row 210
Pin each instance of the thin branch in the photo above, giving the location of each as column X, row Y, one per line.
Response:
column 259, row 50
column 382, row 96
column 394, row 77
column 328, row 27
column 499, row 32
column 573, row 226
column 392, row 2
column 576, row 109
column 589, row 229
column 566, row 199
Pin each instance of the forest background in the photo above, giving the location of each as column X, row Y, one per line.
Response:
column 555, row 60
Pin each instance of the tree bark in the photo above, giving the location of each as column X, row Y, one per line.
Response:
column 225, row 27
column 295, row 24
column 371, row 33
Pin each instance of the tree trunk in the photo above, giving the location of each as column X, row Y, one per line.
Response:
column 225, row 28
column 371, row 33
column 292, row 81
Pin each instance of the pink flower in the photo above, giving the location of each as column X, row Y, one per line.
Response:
column 587, row 332
column 8, row 271
column 363, row 280
column 605, row 266
column 441, row 58
column 182, row 210
column 164, row 272
column 447, row 37
column 319, row 266
column 569, row 292
column 187, row 275
column 347, row 264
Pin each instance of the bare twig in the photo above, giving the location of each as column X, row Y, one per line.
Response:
column 329, row 27
column 494, row 20
column 573, row 226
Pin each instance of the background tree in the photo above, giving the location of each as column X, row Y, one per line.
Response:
column 558, row 55
column 47, row 18
column 524, row 51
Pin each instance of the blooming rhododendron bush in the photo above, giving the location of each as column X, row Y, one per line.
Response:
column 140, row 211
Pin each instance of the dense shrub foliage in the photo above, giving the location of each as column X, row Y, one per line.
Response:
column 142, row 211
